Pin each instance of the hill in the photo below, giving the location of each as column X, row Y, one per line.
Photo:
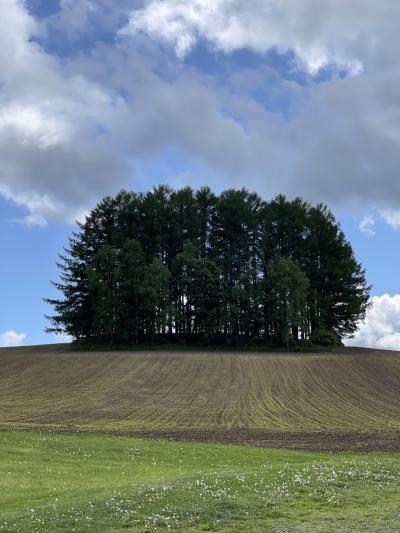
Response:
column 344, row 400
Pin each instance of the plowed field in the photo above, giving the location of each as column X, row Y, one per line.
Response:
column 344, row 400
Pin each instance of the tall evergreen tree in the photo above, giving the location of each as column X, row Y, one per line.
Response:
column 156, row 298
column 338, row 292
column 193, row 265
column 130, row 292
column 103, row 278
column 286, row 298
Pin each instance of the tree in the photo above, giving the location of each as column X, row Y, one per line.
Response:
column 286, row 297
column 184, row 272
column 103, row 277
column 156, row 298
column 130, row 292
column 191, row 265
column 206, row 298
column 338, row 294
column 235, row 237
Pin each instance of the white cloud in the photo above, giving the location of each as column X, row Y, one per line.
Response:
column 31, row 125
column 381, row 328
column 12, row 338
column 391, row 217
column 319, row 34
column 73, row 129
column 53, row 160
column 32, row 220
column 343, row 139
column 367, row 225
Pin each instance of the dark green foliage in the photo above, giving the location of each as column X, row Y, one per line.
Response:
column 285, row 289
column 323, row 337
column 195, row 267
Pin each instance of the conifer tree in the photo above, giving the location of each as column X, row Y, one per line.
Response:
column 191, row 265
column 286, row 297
column 130, row 292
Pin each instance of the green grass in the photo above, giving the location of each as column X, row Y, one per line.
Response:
column 90, row 482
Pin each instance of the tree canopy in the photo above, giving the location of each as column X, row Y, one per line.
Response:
column 192, row 266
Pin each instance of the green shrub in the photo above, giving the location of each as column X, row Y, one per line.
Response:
column 325, row 338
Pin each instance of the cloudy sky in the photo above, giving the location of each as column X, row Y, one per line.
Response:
column 280, row 96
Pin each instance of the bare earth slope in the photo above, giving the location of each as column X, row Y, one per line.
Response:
column 344, row 400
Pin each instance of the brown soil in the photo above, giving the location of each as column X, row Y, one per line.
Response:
column 323, row 441
column 348, row 400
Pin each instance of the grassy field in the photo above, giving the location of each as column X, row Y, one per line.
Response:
column 347, row 400
column 65, row 474
column 88, row 482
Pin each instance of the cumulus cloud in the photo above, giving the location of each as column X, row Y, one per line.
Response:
column 88, row 93
column 381, row 328
column 53, row 160
column 12, row 338
column 318, row 34
column 342, row 143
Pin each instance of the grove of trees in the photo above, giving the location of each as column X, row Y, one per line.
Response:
column 196, row 267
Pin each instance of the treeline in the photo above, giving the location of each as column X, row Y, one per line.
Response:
column 192, row 266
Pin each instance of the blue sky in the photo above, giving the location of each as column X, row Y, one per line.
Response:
column 277, row 96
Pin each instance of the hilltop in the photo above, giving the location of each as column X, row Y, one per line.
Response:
column 349, row 399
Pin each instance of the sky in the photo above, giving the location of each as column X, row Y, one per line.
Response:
column 278, row 96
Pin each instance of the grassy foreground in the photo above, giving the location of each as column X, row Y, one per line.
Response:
column 89, row 482
column 344, row 400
